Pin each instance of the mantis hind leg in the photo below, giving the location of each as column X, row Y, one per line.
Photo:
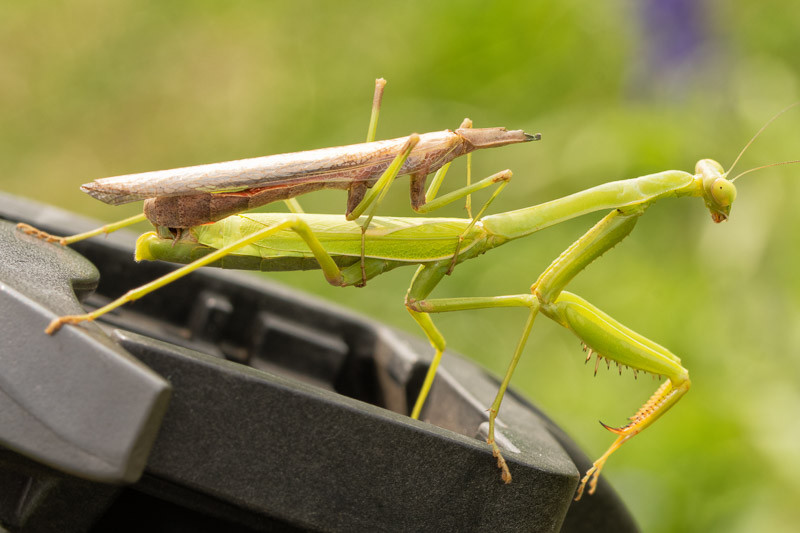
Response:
column 291, row 222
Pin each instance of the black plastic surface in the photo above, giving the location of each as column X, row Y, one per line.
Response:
column 76, row 402
column 312, row 435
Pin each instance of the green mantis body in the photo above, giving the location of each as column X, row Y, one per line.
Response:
column 276, row 242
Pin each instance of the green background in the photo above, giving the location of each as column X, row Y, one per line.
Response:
column 91, row 89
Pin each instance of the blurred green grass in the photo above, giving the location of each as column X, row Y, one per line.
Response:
column 91, row 89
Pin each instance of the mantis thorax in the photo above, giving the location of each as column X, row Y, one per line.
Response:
column 718, row 192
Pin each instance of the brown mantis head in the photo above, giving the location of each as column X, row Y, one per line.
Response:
column 492, row 137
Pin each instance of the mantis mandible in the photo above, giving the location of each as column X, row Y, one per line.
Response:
column 186, row 197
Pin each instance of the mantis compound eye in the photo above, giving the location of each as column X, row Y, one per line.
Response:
column 723, row 192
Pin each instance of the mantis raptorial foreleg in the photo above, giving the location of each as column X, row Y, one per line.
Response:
column 600, row 333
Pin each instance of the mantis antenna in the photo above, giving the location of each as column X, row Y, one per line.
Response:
column 759, row 132
column 765, row 166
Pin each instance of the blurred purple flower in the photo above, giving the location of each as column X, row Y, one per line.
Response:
column 674, row 38
column 673, row 30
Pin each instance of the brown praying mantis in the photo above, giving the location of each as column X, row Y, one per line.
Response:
column 333, row 244
column 182, row 198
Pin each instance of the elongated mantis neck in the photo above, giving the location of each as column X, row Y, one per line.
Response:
column 643, row 190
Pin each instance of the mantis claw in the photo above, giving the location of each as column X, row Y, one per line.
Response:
column 616, row 431
column 505, row 473
column 591, row 477
column 27, row 229
column 56, row 323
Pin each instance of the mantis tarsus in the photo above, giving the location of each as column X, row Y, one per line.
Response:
column 333, row 244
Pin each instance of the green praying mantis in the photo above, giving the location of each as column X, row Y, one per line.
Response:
column 333, row 244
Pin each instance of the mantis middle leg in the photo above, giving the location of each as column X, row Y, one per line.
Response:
column 422, row 203
column 600, row 333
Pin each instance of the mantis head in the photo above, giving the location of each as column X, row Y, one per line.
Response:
column 718, row 192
